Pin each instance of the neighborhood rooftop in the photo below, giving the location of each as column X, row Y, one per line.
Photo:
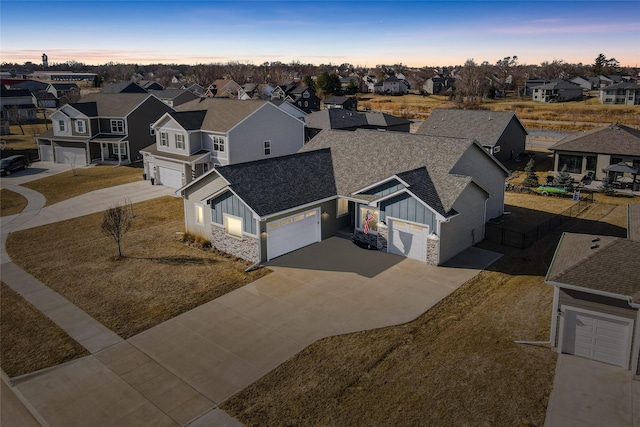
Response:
column 612, row 139
column 222, row 114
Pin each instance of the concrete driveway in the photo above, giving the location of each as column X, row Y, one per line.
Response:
column 179, row 371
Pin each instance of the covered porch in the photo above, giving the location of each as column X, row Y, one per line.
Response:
column 113, row 149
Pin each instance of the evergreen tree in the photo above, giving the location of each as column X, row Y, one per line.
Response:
column 531, row 180
column 563, row 179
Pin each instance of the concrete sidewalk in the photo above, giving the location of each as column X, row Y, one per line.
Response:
column 587, row 393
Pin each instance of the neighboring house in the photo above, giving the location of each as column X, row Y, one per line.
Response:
column 304, row 98
column 222, row 88
column 594, row 150
column 289, row 108
column 345, row 102
column 174, row 97
column 17, row 105
column 392, row 86
column 101, row 128
column 438, row 85
column 529, row 84
column 418, row 196
column 211, row 131
column 342, row 119
column 369, row 82
column 30, row 85
column 500, row 133
column 44, row 99
column 63, row 89
column 621, row 93
column 586, row 83
column 123, row 87
column 150, row 85
column 248, row 91
column 557, row 91
column 596, row 296
column 192, row 87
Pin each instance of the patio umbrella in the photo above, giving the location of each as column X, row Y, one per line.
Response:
column 621, row 167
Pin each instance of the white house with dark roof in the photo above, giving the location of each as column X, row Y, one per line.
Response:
column 500, row 132
column 596, row 300
column 626, row 93
column 418, row 196
column 557, row 91
column 213, row 131
column 595, row 150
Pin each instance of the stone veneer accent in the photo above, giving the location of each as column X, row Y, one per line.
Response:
column 433, row 249
column 245, row 248
column 378, row 240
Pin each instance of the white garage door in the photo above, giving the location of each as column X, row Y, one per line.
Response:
column 169, row 177
column 294, row 232
column 597, row 336
column 46, row 153
column 71, row 155
column 409, row 240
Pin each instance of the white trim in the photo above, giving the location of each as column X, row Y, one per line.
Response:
column 225, row 217
column 635, row 355
column 374, row 185
column 554, row 318
column 627, row 342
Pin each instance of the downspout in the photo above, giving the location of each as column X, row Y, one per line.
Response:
column 635, row 361
column 555, row 314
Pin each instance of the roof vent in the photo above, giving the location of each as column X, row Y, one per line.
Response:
column 596, row 246
column 597, row 239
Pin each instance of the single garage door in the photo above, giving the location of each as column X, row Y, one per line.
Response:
column 46, row 153
column 408, row 239
column 169, row 177
column 71, row 155
column 597, row 336
column 293, row 232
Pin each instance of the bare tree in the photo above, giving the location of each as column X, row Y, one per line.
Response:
column 116, row 223
column 472, row 84
column 238, row 71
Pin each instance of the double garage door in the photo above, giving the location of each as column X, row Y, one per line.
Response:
column 294, row 232
column 71, row 155
column 596, row 336
column 169, row 177
column 408, row 239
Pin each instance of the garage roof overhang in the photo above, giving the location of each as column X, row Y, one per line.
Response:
column 591, row 291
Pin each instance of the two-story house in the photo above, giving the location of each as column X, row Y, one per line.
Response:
column 557, row 91
column 101, row 128
column 16, row 105
column 621, row 93
column 211, row 132
column 304, row 98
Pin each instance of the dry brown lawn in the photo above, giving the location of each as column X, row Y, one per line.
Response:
column 30, row 340
column 567, row 116
column 456, row 365
column 17, row 141
column 158, row 278
column 11, row 203
column 72, row 183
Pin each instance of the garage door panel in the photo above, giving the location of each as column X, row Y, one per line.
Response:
column 597, row 337
column 71, row 155
column 409, row 240
column 169, row 177
column 288, row 234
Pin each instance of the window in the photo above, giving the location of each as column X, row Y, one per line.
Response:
column 267, row 148
column 218, row 143
column 61, row 126
column 164, row 139
column 574, row 163
column 80, row 126
column 199, row 215
column 616, row 160
column 179, row 141
column 233, row 226
column 369, row 215
column 117, row 126
column 591, row 163
column 343, row 207
column 120, row 150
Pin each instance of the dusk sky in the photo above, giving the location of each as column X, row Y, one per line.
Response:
column 366, row 33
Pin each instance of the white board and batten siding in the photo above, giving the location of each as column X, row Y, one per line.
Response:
column 595, row 335
column 293, row 232
column 408, row 239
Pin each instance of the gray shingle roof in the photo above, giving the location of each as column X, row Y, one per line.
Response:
column 122, row 86
column 222, row 114
column 383, row 119
column 611, row 139
column 112, row 104
column 168, row 93
column 633, row 221
column 335, row 118
column 558, row 84
column 607, row 265
column 280, row 183
column 189, row 120
column 89, row 108
column 486, row 127
column 623, row 85
column 364, row 157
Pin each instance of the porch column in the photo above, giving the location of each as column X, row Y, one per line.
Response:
column 102, row 147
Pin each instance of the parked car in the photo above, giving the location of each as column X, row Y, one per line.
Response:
column 13, row 163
